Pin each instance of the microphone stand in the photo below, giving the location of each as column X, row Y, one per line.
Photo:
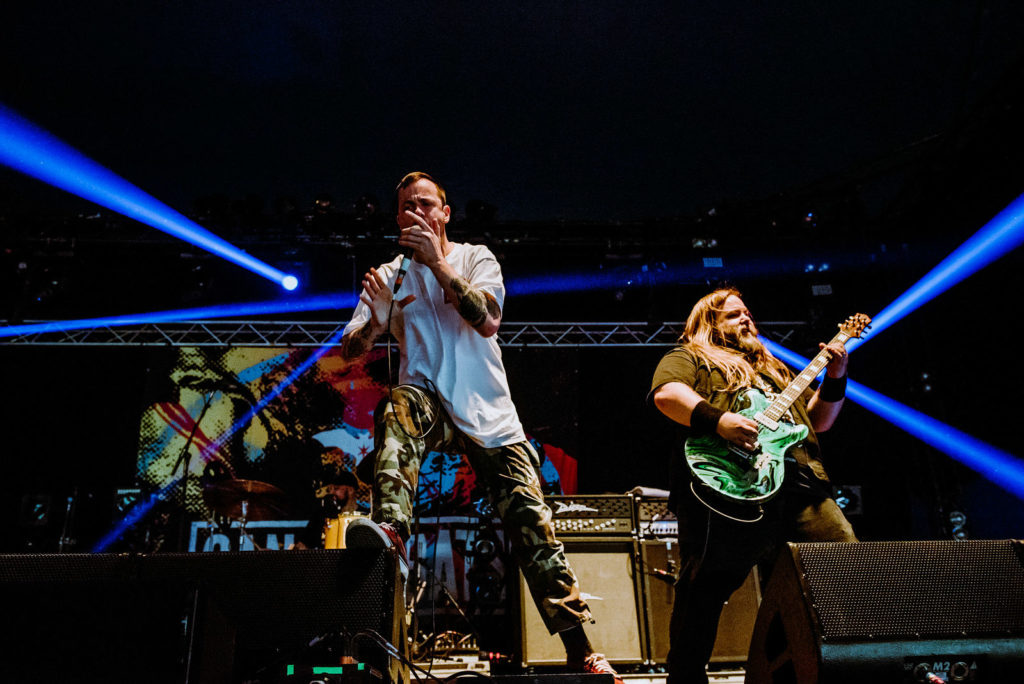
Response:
column 185, row 460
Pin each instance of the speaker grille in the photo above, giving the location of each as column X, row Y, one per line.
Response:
column 104, row 611
column 654, row 520
column 272, row 598
column 898, row 590
column 649, row 509
column 608, row 582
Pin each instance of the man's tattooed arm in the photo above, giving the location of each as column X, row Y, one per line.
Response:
column 478, row 308
column 357, row 343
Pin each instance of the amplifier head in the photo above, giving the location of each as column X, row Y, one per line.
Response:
column 602, row 515
column 654, row 519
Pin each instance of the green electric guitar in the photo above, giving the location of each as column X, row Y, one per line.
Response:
column 734, row 481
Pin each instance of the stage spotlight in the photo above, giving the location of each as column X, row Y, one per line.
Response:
column 290, row 282
column 994, row 464
column 30, row 150
column 1002, row 234
column 317, row 303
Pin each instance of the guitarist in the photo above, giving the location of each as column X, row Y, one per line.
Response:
column 718, row 355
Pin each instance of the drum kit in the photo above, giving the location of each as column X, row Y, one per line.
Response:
column 246, row 500
column 251, row 500
column 334, row 529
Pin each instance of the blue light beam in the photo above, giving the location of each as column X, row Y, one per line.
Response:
column 141, row 509
column 996, row 465
column 318, row 303
column 30, row 150
column 1002, row 234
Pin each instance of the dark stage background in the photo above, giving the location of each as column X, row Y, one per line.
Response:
column 593, row 138
column 820, row 156
column 72, row 429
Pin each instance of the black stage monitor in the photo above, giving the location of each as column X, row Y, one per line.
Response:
column 892, row 612
column 201, row 617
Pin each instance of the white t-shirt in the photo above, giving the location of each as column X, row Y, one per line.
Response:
column 438, row 346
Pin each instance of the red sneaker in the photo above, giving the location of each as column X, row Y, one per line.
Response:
column 596, row 663
column 363, row 533
column 396, row 540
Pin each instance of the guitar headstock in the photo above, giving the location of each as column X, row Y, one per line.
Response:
column 855, row 325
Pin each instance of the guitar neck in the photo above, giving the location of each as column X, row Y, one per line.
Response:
column 785, row 399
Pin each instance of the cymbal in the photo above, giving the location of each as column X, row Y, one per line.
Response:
column 262, row 501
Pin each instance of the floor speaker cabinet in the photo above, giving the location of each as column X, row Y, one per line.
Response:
column 892, row 612
column 607, row 575
column 195, row 618
column 735, row 626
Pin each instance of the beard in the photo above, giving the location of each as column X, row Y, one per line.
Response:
column 746, row 342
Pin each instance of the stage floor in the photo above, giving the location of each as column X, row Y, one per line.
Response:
column 716, row 677
column 445, row 668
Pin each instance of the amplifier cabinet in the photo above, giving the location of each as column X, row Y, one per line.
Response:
column 606, row 572
column 659, row 562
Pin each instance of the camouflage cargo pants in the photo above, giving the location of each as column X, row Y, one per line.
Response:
column 412, row 424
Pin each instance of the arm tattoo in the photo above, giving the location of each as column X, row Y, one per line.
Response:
column 492, row 306
column 472, row 304
column 357, row 343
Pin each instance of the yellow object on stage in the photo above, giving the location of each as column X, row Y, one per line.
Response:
column 334, row 530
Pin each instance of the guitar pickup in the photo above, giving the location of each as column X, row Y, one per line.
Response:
column 766, row 421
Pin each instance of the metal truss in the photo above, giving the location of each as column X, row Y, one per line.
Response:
column 270, row 333
column 633, row 334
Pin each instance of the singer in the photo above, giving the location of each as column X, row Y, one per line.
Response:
column 443, row 303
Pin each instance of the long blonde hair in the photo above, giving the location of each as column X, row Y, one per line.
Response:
column 704, row 340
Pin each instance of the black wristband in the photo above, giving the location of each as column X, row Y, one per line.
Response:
column 704, row 418
column 832, row 389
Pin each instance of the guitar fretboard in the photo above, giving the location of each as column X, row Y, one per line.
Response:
column 785, row 398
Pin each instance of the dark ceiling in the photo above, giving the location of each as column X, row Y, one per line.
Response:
column 872, row 135
column 580, row 111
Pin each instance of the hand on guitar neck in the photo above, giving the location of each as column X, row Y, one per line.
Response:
column 823, row 412
column 836, row 367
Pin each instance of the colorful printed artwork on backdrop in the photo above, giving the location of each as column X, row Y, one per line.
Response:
column 316, row 434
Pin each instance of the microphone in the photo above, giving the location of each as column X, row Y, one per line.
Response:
column 403, row 268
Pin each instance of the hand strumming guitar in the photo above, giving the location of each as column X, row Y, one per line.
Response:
column 738, row 429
